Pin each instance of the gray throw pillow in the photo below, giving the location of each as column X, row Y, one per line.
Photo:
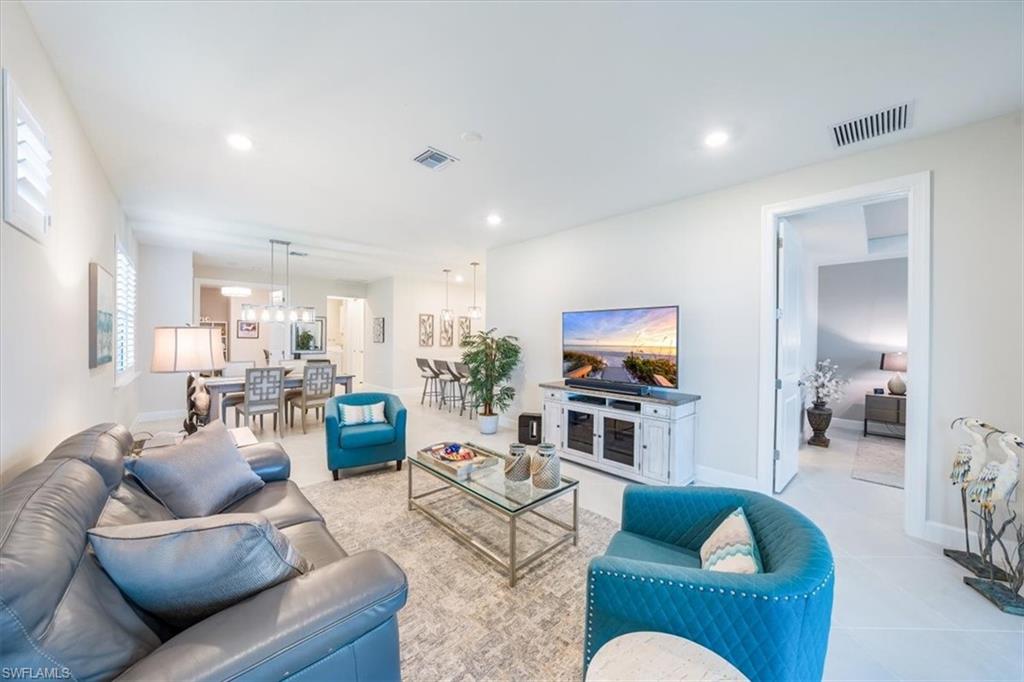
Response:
column 202, row 475
column 187, row 569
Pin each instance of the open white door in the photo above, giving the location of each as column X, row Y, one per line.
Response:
column 355, row 333
column 788, row 396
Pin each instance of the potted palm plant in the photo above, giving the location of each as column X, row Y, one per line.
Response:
column 490, row 360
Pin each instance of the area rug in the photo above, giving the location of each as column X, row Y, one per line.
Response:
column 462, row 620
column 879, row 460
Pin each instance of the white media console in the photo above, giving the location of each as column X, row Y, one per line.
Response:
column 647, row 438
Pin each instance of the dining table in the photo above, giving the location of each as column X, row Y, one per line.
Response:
column 218, row 386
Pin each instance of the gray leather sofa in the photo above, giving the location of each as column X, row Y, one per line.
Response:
column 61, row 616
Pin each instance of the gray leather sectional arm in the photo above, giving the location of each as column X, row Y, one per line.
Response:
column 282, row 632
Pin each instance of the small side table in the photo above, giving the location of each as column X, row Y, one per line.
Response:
column 657, row 656
column 885, row 409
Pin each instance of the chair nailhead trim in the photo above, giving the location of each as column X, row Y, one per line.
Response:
column 765, row 597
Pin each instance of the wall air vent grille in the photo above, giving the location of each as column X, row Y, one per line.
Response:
column 434, row 159
column 873, row 125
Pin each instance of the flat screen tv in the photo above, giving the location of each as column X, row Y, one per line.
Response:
column 628, row 345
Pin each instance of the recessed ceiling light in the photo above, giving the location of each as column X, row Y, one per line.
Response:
column 460, row 279
column 471, row 136
column 494, row 220
column 716, row 138
column 239, row 142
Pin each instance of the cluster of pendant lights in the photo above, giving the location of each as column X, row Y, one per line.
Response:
column 473, row 311
column 279, row 309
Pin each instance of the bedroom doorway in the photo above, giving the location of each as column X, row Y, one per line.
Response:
column 829, row 239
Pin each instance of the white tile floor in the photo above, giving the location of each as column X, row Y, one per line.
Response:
column 901, row 609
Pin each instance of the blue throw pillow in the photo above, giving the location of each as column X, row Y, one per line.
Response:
column 187, row 569
column 202, row 475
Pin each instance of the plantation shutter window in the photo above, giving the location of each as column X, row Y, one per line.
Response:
column 27, row 165
column 125, row 352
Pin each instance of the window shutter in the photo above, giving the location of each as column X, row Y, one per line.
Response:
column 27, row 160
column 125, row 351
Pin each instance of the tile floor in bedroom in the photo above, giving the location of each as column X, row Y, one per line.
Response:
column 901, row 609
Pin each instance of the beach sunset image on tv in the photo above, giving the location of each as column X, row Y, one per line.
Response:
column 636, row 345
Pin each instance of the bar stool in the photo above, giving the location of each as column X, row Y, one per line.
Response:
column 462, row 370
column 451, row 392
column 430, row 380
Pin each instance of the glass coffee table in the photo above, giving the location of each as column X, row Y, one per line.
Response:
column 508, row 499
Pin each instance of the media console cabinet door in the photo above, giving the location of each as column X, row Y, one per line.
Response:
column 657, row 450
column 620, row 441
column 552, row 424
column 580, row 431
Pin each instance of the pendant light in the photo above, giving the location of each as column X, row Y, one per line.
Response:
column 279, row 309
column 474, row 310
column 446, row 312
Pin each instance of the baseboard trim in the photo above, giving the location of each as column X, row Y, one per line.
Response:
column 726, row 479
column 947, row 535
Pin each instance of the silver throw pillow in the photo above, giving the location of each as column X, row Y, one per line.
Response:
column 185, row 570
column 198, row 477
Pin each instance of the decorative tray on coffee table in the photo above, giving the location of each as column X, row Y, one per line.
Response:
column 459, row 459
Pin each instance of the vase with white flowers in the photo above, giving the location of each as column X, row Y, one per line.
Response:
column 823, row 385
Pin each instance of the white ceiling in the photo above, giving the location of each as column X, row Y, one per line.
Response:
column 586, row 109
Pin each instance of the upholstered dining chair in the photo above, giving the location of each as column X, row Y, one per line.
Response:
column 317, row 387
column 264, row 394
column 233, row 368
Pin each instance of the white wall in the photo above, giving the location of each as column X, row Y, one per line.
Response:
column 400, row 300
column 248, row 349
column 379, row 358
column 703, row 253
column 862, row 313
column 414, row 296
column 48, row 391
column 164, row 299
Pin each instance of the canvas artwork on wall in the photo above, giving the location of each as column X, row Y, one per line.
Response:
column 465, row 329
column 378, row 330
column 426, row 329
column 447, row 333
column 101, row 315
column 248, row 330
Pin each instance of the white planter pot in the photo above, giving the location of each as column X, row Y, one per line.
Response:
column 488, row 425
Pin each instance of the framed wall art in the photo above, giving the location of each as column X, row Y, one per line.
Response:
column 101, row 315
column 426, row 329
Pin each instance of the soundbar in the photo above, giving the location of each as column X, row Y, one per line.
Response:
column 610, row 386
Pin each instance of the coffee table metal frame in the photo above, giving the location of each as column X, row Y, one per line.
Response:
column 513, row 565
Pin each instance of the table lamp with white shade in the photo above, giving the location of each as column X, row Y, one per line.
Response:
column 895, row 362
column 187, row 349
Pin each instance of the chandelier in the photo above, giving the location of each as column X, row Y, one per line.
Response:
column 279, row 309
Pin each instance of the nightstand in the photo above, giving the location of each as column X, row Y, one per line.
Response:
column 885, row 409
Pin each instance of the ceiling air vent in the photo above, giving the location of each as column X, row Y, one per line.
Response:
column 873, row 125
column 434, row 159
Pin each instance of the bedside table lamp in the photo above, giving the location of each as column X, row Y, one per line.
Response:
column 895, row 362
column 187, row 349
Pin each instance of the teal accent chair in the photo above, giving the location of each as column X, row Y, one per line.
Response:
column 363, row 444
column 771, row 626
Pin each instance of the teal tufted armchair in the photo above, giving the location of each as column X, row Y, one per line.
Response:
column 771, row 626
column 363, row 444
